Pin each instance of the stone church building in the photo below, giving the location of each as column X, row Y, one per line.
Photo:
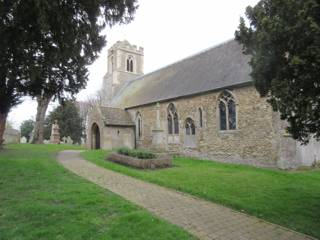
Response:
column 203, row 106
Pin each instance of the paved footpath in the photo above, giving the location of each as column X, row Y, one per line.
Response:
column 203, row 219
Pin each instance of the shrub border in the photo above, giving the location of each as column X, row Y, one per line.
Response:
column 161, row 161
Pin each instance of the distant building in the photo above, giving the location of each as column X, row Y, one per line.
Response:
column 11, row 135
column 204, row 106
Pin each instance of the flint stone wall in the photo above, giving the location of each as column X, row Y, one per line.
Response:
column 259, row 139
column 110, row 136
column 256, row 140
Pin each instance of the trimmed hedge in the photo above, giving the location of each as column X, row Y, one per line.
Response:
column 141, row 154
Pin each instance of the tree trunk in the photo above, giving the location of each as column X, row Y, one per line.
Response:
column 43, row 103
column 3, row 120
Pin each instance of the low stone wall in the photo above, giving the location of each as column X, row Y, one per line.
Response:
column 162, row 161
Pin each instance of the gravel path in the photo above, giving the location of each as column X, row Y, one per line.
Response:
column 203, row 219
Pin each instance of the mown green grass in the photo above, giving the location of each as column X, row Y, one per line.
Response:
column 291, row 199
column 39, row 199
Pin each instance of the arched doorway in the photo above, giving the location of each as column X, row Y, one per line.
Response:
column 95, row 136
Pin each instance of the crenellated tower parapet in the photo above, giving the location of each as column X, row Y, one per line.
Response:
column 125, row 62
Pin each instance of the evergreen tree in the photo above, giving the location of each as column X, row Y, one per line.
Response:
column 283, row 38
column 46, row 46
column 69, row 120
column 26, row 128
column 12, row 58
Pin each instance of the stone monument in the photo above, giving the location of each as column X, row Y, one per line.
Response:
column 69, row 140
column 23, row 140
column 55, row 134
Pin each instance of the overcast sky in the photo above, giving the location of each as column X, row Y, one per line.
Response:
column 168, row 30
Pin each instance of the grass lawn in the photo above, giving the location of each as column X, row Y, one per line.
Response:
column 39, row 199
column 291, row 199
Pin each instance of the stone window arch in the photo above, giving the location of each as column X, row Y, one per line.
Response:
column 173, row 119
column 227, row 111
column 190, row 127
column 139, row 125
column 200, row 117
column 130, row 64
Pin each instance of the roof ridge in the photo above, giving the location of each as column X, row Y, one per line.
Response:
column 127, row 83
column 185, row 58
column 112, row 107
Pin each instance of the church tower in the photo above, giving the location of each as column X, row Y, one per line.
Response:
column 125, row 62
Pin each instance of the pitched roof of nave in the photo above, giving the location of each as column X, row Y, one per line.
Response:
column 216, row 68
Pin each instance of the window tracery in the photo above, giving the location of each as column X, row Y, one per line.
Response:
column 200, row 118
column 130, row 64
column 139, row 125
column 173, row 120
column 227, row 111
column 190, row 127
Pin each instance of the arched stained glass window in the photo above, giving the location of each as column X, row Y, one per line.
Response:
column 200, row 118
column 173, row 120
column 170, row 125
column 139, row 126
column 227, row 112
column 223, row 116
column 176, row 123
column 232, row 115
column 190, row 127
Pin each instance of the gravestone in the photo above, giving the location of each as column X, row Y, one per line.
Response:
column 69, row 140
column 23, row 140
column 55, row 134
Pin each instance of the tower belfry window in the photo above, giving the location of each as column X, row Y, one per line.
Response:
column 130, row 64
column 111, row 65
